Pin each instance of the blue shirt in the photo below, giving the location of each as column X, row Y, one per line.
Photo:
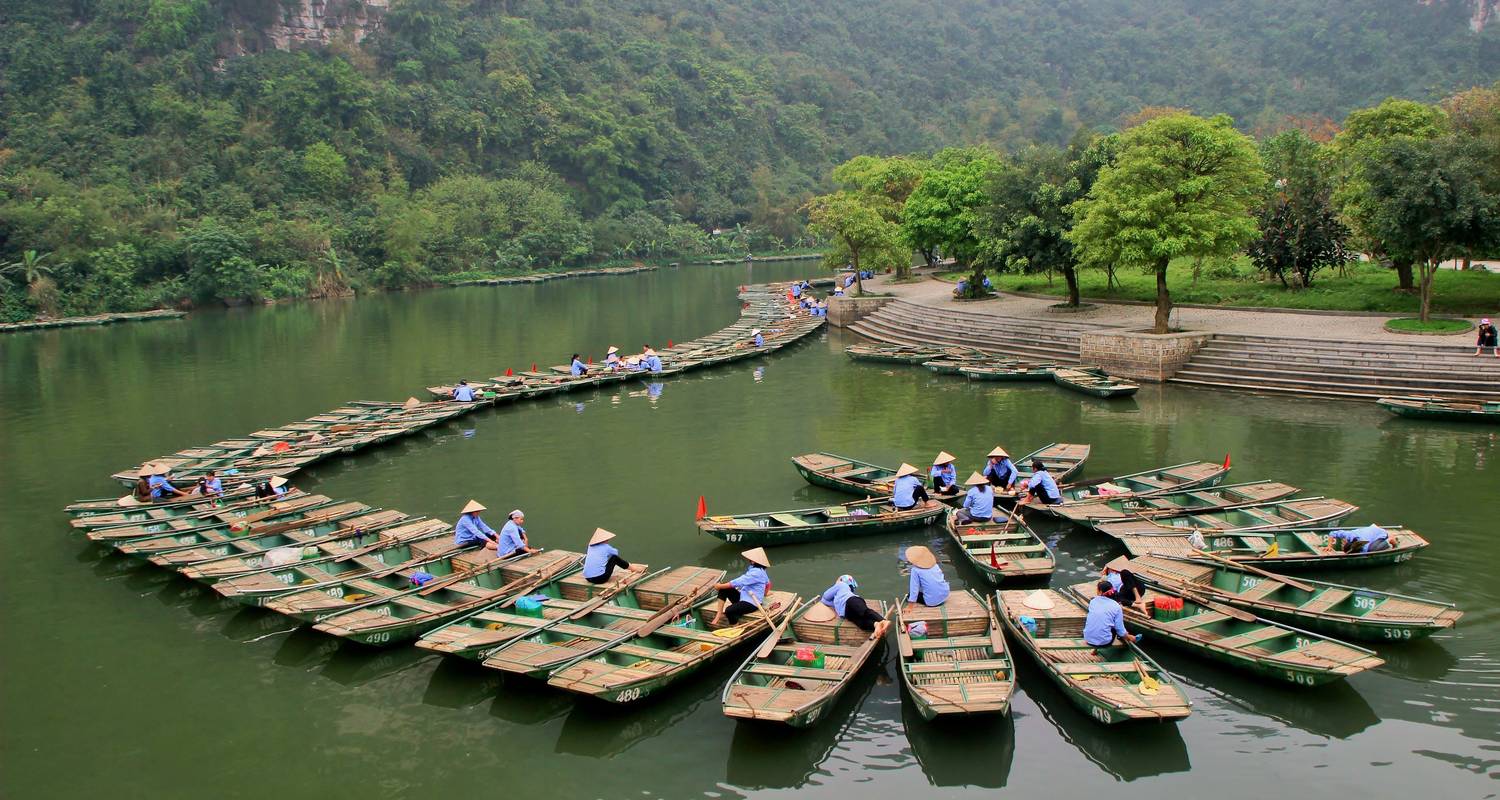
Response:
column 1043, row 486
column 512, row 539
column 753, row 583
column 1368, row 534
column 471, row 530
column 796, row 290
column 838, row 596
column 848, row 280
column 596, row 558
column 1005, row 472
column 759, row 340
column 214, row 486
column 1105, row 622
column 946, row 472
column 980, row 502
column 929, row 583
column 904, row 494
column 1114, row 580
column 279, row 490
column 654, row 363
column 464, row 393
column 577, row 368
column 612, row 361
column 160, row 486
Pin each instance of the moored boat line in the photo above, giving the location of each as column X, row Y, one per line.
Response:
column 1443, row 408
column 863, row 478
column 817, row 524
column 1102, row 509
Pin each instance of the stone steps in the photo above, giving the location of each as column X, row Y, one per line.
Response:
column 901, row 326
column 1344, row 383
column 1380, row 369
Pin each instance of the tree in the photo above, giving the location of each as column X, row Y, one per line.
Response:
column 1352, row 152
column 943, row 212
column 857, row 229
column 885, row 184
column 38, row 279
column 1181, row 186
column 1300, row 233
column 1432, row 199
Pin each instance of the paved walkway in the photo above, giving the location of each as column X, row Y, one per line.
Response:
column 939, row 294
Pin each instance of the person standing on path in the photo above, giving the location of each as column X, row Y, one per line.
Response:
column 1487, row 338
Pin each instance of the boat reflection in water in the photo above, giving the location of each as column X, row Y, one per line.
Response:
column 459, row 683
column 769, row 756
column 974, row 750
column 1125, row 752
column 354, row 664
column 603, row 730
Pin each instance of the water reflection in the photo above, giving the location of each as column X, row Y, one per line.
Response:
column 460, row 683
column 524, row 701
column 767, row 756
column 355, row 664
column 1336, row 710
column 965, row 751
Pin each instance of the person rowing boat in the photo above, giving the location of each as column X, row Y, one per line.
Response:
column 753, row 584
column 908, row 489
column 979, row 502
column 600, row 560
column 841, row 598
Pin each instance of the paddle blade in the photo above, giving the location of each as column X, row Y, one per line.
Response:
column 702, row 507
column 1273, row 551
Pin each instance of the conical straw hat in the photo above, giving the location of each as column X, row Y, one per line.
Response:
column 1039, row 600
column 757, row 555
column 820, row 613
column 146, row 471
column 411, row 402
column 600, row 536
column 160, row 468
column 278, row 482
column 976, row 480
column 127, row 501
column 906, row 469
column 474, row 507
column 755, row 332
column 920, row 557
column 1119, row 563
column 612, row 350
column 944, row 457
column 999, row 452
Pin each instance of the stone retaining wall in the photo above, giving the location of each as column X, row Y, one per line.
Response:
column 845, row 310
column 1140, row 355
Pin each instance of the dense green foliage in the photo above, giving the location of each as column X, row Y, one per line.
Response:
column 156, row 150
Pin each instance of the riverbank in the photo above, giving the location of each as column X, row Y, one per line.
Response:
column 94, row 319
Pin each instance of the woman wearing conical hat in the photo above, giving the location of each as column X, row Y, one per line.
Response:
column 908, row 489
column 735, row 597
column 944, row 474
column 471, row 531
column 612, row 359
column 600, row 560
column 979, row 503
column 651, row 360
column 1129, row 590
column 1001, row 473
column 927, row 586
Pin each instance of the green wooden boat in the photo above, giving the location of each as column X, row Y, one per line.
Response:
column 817, row 524
column 1443, row 408
column 955, row 364
column 1095, row 382
column 1176, row 478
column 1003, row 549
column 1008, row 371
column 1244, row 641
column 778, row 689
column 295, row 514
column 1347, row 612
column 892, row 354
column 1296, row 548
column 863, row 478
column 961, row 665
column 1090, row 513
column 1106, row 683
column 1303, row 512
column 473, row 635
column 644, row 665
column 107, row 512
column 638, row 610
column 404, row 616
column 243, row 516
column 405, row 547
column 261, row 551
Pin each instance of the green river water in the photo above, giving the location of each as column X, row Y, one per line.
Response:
column 123, row 681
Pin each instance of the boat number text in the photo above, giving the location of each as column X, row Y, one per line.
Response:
column 628, row 695
column 1099, row 713
column 1396, row 633
column 1297, row 677
column 1364, row 602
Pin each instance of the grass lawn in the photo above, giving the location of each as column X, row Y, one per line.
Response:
column 1367, row 288
column 1414, row 325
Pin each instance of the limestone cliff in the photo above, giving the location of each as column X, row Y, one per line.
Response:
column 258, row 25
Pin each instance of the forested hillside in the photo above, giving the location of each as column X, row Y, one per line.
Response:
column 153, row 151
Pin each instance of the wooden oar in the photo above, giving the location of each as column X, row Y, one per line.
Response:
column 776, row 630
column 667, row 614
column 370, row 548
column 483, row 568
column 1182, row 590
column 1149, row 685
column 528, row 583
column 1292, row 582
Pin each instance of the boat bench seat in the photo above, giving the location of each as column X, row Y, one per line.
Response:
column 690, row 634
column 636, row 651
column 1101, row 668
column 790, row 520
column 954, row 642
column 1023, row 548
column 1260, row 590
column 780, row 671
column 1253, row 637
column 1326, row 600
column 1061, row 644
column 987, row 665
column 1313, row 541
column 1196, row 620
column 855, row 472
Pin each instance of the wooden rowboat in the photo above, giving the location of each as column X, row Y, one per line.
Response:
column 1094, row 382
column 405, row 547
column 1107, row 683
column 777, row 689
column 1002, row 549
column 1296, row 548
column 643, row 665
column 102, row 513
column 863, row 478
column 1443, row 408
column 245, row 515
column 1090, row 513
column 817, row 524
column 961, row 666
column 409, row 614
column 1304, row 512
column 1180, row 477
column 641, row 609
column 1008, row 371
column 229, row 525
column 1344, row 611
column 955, row 364
column 252, row 552
column 567, row 597
column 292, row 530
column 892, row 354
column 1244, row 641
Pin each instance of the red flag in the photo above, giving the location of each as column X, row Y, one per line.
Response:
column 669, row 343
column 508, row 373
column 1226, row 461
column 702, row 507
column 533, row 366
column 994, row 562
column 589, row 361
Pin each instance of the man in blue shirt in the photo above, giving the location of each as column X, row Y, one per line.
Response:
column 1368, row 539
column 1042, row 486
column 513, row 537
column 601, row 558
column 612, row 359
column 927, row 585
column 652, row 360
column 908, row 489
column 979, row 503
column 160, row 486
column 796, row 290
column 841, row 598
column 1001, row 472
column 759, row 340
column 746, row 593
column 1105, row 622
column 470, row 530
column 463, row 392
